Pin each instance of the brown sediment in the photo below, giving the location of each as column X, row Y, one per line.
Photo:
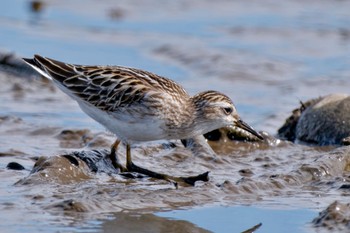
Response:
column 75, row 177
column 117, row 13
column 228, row 139
column 242, row 171
column 36, row 6
column 68, row 205
column 74, row 138
column 57, row 169
column 335, row 218
column 233, row 181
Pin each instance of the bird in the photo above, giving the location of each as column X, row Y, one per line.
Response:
column 139, row 106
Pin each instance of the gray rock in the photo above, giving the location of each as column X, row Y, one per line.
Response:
column 321, row 121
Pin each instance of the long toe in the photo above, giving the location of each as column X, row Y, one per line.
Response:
column 191, row 180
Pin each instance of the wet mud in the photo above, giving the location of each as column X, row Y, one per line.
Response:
column 334, row 218
column 72, row 172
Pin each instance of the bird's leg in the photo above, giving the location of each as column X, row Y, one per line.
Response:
column 134, row 168
column 113, row 153
column 129, row 163
column 131, row 167
column 114, row 157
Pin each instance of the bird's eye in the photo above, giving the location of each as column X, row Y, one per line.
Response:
column 228, row 110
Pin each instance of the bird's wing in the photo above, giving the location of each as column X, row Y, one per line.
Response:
column 106, row 87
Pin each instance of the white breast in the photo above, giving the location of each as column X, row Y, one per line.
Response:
column 126, row 128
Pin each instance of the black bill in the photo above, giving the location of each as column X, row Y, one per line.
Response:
column 241, row 124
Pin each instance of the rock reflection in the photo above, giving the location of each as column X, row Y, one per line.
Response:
column 135, row 223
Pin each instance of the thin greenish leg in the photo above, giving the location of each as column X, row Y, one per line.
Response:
column 129, row 163
column 114, row 157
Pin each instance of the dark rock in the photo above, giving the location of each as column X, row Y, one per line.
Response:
column 15, row 166
column 321, row 121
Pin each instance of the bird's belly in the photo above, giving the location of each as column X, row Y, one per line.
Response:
column 141, row 131
column 127, row 128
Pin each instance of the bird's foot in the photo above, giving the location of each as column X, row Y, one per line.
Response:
column 115, row 162
column 191, row 180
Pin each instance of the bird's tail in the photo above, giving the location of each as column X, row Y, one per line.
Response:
column 50, row 68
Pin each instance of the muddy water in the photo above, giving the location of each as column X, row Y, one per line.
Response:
column 266, row 57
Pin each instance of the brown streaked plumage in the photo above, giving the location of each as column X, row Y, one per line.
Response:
column 138, row 105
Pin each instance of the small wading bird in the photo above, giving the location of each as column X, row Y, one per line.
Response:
column 139, row 106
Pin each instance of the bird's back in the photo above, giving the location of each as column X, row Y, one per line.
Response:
column 108, row 88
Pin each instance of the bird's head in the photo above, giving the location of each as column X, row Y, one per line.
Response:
column 215, row 110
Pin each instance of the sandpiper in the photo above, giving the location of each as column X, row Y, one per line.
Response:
column 139, row 106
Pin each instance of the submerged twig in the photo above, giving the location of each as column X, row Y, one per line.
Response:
column 253, row 229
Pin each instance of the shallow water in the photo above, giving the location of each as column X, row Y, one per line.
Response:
column 220, row 219
column 266, row 57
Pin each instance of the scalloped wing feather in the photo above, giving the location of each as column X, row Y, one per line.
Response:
column 109, row 88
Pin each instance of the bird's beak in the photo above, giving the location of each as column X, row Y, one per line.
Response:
column 241, row 124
